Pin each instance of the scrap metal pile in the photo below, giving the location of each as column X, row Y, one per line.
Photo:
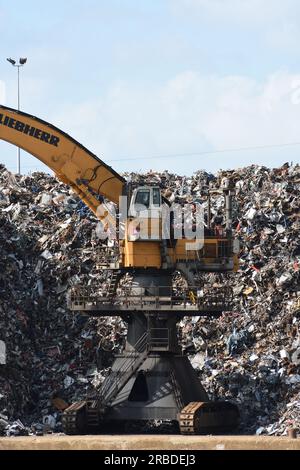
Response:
column 50, row 357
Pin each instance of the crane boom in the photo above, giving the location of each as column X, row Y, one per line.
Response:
column 72, row 163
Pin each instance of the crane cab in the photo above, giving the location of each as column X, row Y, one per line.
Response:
column 143, row 228
column 145, row 201
column 145, row 214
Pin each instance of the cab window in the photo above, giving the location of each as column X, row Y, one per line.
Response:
column 156, row 197
column 143, row 198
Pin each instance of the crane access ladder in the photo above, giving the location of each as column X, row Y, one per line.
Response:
column 117, row 380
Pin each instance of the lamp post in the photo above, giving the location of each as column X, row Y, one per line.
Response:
column 22, row 62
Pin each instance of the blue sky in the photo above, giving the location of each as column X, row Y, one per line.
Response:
column 135, row 79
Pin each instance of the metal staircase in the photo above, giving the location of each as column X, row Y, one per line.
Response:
column 176, row 389
column 113, row 284
column 116, row 381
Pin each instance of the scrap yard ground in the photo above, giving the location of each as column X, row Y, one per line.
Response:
column 153, row 442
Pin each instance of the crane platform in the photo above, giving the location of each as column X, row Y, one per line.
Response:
column 188, row 302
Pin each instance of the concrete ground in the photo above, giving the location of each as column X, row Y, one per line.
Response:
column 149, row 442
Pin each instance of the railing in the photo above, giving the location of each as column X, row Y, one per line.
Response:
column 118, row 380
column 159, row 339
column 177, row 392
column 219, row 250
column 224, row 248
column 106, row 256
column 158, row 298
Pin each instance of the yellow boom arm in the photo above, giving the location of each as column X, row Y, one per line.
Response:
column 72, row 163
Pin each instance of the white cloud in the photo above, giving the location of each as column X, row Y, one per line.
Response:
column 190, row 113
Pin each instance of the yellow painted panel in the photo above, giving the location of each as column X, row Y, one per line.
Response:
column 142, row 254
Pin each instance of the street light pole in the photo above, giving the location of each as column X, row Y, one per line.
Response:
column 22, row 62
column 19, row 87
column 19, row 150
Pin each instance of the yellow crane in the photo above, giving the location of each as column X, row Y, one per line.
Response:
column 151, row 379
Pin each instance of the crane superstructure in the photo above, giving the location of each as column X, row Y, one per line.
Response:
column 152, row 379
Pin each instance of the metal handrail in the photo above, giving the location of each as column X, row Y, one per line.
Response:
column 156, row 342
column 186, row 296
column 135, row 359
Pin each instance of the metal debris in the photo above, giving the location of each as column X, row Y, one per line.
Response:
column 49, row 242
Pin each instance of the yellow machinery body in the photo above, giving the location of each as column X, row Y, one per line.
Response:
column 92, row 180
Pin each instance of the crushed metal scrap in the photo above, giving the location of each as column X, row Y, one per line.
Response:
column 49, row 357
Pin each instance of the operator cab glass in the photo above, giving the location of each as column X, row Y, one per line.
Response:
column 156, row 197
column 143, row 198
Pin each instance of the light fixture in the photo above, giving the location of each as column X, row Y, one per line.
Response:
column 22, row 62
